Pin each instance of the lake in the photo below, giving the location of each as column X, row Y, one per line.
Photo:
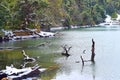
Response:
column 106, row 66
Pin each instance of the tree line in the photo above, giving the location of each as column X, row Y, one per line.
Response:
column 17, row 14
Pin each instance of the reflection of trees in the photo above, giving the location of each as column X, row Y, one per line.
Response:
column 48, row 75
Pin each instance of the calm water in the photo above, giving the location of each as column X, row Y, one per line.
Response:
column 107, row 47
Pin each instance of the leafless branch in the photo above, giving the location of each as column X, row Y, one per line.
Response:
column 66, row 50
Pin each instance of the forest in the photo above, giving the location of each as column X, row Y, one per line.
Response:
column 17, row 14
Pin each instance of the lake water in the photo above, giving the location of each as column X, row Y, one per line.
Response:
column 107, row 46
column 107, row 50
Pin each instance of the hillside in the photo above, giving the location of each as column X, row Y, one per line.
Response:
column 16, row 14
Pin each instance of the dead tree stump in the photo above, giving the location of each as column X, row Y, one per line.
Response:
column 66, row 50
column 93, row 51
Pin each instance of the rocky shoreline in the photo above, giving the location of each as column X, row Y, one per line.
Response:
column 24, row 34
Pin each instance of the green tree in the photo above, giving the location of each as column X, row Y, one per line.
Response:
column 114, row 15
column 27, row 14
column 6, row 13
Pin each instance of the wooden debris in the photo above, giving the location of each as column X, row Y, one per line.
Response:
column 66, row 50
column 26, row 57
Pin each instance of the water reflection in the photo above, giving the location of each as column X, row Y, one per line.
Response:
column 93, row 69
column 26, row 63
column 40, row 49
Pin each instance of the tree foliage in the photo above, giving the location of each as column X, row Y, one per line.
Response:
column 114, row 15
column 17, row 14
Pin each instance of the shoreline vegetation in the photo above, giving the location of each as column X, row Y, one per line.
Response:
column 18, row 14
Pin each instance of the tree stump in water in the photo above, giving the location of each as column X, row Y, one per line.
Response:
column 66, row 50
column 92, row 54
column 93, row 51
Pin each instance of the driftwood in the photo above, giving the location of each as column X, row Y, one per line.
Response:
column 26, row 57
column 66, row 50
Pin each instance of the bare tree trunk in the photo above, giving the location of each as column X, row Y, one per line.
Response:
column 93, row 51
